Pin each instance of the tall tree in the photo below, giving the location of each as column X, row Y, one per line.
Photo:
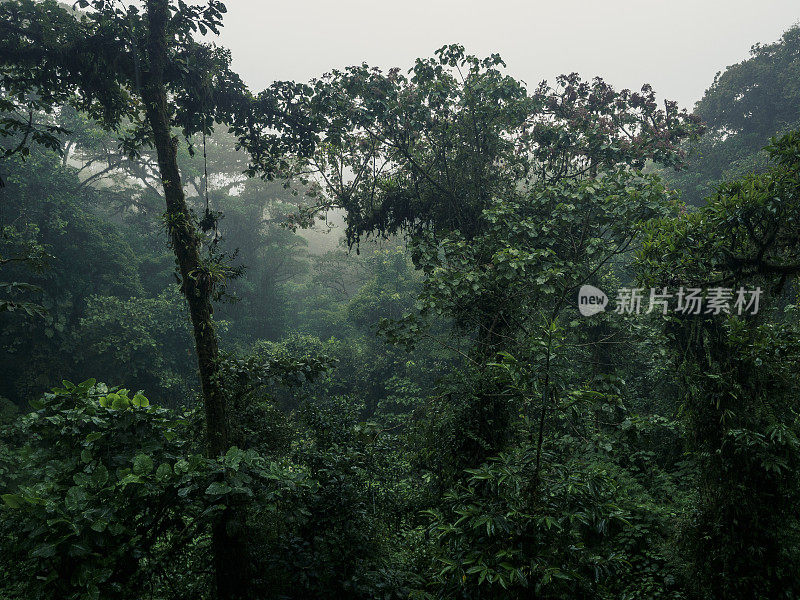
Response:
column 120, row 65
column 431, row 154
column 512, row 198
column 738, row 375
column 747, row 104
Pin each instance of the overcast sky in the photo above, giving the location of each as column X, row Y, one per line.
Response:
column 676, row 45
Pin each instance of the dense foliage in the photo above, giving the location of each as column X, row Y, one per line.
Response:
column 418, row 409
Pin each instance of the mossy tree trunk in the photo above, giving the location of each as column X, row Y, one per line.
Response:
column 230, row 560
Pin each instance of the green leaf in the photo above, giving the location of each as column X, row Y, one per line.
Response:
column 163, row 472
column 99, row 526
column 12, row 500
column 120, row 403
column 75, row 498
column 100, row 476
column 44, row 551
column 218, row 488
column 142, row 464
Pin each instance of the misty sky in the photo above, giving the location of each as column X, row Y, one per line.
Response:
column 676, row 45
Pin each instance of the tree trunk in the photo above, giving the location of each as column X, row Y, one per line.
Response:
column 229, row 552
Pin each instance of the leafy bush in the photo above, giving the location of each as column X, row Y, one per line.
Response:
column 106, row 496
